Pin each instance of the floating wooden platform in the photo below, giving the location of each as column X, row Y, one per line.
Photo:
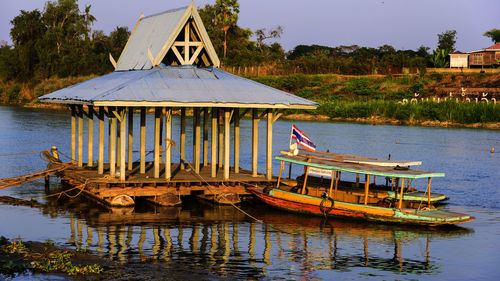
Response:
column 105, row 188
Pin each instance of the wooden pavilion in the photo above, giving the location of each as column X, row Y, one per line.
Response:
column 168, row 64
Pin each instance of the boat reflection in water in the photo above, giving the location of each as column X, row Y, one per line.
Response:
column 220, row 241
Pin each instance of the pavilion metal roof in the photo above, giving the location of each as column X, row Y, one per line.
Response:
column 151, row 32
column 154, row 35
column 177, row 86
column 141, row 78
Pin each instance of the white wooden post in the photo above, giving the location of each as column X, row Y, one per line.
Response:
column 90, row 139
column 227, row 129
column 143, row 141
column 255, row 140
column 168, row 143
column 157, row 143
column 269, row 145
column 100, row 157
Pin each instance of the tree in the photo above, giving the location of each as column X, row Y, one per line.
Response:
column 58, row 41
column 226, row 16
column 494, row 35
column 243, row 51
column 423, row 51
column 64, row 22
column 263, row 35
column 276, row 52
column 89, row 20
column 9, row 65
column 305, row 50
column 63, row 49
column 119, row 38
column 27, row 29
column 387, row 49
column 207, row 15
column 439, row 58
column 447, row 40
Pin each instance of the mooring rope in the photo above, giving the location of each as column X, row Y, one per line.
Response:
column 6, row 183
column 172, row 143
column 64, row 192
column 83, row 185
column 46, row 155
column 63, row 154
column 421, row 201
column 24, row 153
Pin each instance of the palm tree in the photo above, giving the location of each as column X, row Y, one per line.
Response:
column 226, row 14
column 89, row 20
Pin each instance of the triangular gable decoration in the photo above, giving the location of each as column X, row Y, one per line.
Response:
column 175, row 37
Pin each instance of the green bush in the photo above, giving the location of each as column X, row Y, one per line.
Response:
column 451, row 111
column 403, row 112
column 305, row 93
column 417, row 87
column 360, row 87
column 13, row 93
column 289, row 83
column 430, row 110
column 405, row 80
column 3, row 240
column 293, row 82
column 399, row 95
column 315, row 81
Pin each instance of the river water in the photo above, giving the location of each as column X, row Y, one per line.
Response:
column 212, row 243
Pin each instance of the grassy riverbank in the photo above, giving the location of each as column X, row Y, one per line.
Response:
column 388, row 99
column 412, row 113
column 18, row 257
column 15, row 93
column 373, row 98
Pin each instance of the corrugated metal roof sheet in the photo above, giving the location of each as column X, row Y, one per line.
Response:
column 151, row 32
column 494, row 47
column 176, row 84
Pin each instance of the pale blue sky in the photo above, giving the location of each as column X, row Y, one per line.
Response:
column 403, row 24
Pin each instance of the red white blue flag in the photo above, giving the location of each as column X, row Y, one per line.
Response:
column 302, row 139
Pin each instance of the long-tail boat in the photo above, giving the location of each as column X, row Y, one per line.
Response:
column 387, row 190
column 359, row 203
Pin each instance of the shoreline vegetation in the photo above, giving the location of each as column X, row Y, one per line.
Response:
column 380, row 85
column 18, row 258
column 422, row 100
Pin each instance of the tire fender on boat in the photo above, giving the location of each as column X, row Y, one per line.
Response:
column 323, row 205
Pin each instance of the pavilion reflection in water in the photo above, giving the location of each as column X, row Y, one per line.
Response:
column 222, row 240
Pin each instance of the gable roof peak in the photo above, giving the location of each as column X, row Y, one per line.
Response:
column 164, row 12
column 173, row 37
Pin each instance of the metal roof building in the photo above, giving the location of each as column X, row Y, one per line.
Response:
column 177, row 86
column 169, row 63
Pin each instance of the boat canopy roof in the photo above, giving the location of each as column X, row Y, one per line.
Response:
column 338, row 164
column 356, row 159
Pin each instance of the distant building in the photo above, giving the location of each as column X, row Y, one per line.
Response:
column 459, row 59
column 485, row 57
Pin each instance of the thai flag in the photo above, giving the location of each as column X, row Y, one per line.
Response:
column 302, row 139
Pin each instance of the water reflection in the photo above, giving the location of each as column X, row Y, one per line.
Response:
column 193, row 239
column 223, row 241
column 350, row 244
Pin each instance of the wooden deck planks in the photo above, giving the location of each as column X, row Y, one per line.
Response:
column 183, row 181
